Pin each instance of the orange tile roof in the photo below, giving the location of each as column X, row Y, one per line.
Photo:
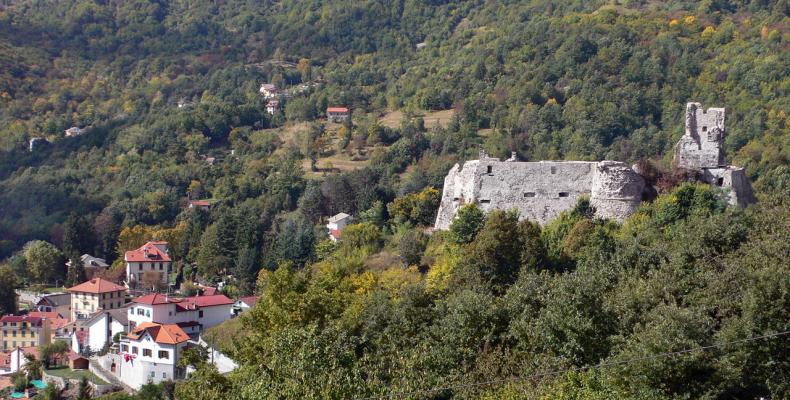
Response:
column 147, row 253
column 337, row 109
column 45, row 314
column 55, row 319
column 97, row 285
column 164, row 334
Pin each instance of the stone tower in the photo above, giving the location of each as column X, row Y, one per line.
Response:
column 702, row 146
column 616, row 190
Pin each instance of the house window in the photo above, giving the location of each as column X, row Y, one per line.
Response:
column 164, row 354
column 140, row 311
column 161, row 266
column 124, row 348
column 704, row 128
column 134, row 350
column 147, row 352
column 152, row 374
column 529, row 194
column 488, row 169
column 200, row 314
column 564, row 194
column 720, row 181
column 553, row 170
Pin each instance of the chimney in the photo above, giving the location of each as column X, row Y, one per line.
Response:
column 145, row 251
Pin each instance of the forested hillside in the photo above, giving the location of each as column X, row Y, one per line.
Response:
column 168, row 95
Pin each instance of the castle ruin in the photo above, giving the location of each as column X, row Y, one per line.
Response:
column 541, row 190
column 702, row 149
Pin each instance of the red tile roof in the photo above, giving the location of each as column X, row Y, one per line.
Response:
column 337, row 109
column 147, row 253
column 154, row 299
column 335, row 233
column 199, row 203
column 208, row 290
column 22, row 318
column 250, row 300
column 165, row 334
column 97, row 285
column 208, row 301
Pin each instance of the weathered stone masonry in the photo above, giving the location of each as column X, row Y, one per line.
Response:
column 541, row 190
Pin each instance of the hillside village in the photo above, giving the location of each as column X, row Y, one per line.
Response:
column 117, row 333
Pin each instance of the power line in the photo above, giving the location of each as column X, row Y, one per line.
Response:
column 558, row 372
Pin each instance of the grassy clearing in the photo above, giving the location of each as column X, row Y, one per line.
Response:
column 333, row 163
column 431, row 118
column 68, row 373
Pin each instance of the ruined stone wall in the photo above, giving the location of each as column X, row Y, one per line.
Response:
column 539, row 191
column 734, row 181
column 702, row 145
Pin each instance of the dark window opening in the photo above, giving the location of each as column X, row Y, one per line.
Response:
column 564, row 194
column 553, row 170
column 485, row 201
column 529, row 194
column 704, row 128
column 456, row 199
column 720, row 181
column 488, row 169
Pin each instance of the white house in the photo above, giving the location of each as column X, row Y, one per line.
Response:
column 336, row 225
column 272, row 106
column 74, row 131
column 193, row 314
column 103, row 326
column 337, row 114
column 269, row 91
column 13, row 360
column 244, row 304
column 149, row 353
column 150, row 258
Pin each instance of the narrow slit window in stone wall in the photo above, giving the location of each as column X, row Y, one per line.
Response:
column 488, row 169
column 529, row 194
column 485, row 201
column 564, row 194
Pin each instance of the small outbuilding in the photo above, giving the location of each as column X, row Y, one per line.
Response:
column 77, row 361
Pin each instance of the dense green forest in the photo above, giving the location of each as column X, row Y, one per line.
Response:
column 493, row 308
